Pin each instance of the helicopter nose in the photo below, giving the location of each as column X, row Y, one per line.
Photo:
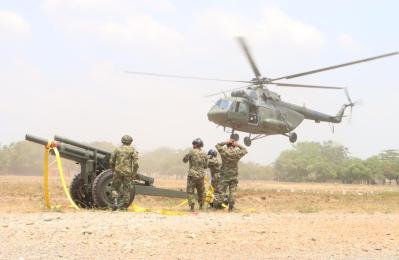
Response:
column 216, row 116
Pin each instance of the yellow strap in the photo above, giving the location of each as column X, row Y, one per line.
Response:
column 136, row 208
column 45, row 180
column 183, row 202
column 50, row 146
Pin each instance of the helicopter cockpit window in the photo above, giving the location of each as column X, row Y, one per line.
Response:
column 241, row 107
column 223, row 104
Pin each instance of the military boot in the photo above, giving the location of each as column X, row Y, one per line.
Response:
column 231, row 207
column 115, row 202
column 192, row 207
column 201, row 207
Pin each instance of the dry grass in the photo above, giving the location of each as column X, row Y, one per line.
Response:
column 24, row 194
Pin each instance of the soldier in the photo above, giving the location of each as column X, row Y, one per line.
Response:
column 124, row 165
column 214, row 167
column 231, row 152
column 198, row 162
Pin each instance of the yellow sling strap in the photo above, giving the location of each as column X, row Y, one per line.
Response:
column 52, row 146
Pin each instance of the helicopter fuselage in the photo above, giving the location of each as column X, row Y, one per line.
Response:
column 261, row 111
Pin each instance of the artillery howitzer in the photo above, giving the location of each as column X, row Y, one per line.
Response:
column 92, row 186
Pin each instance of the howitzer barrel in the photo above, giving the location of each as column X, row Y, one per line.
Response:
column 69, row 151
column 35, row 139
column 80, row 145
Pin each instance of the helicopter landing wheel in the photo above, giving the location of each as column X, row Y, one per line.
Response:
column 247, row 141
column 235, row 137
column 292, row 137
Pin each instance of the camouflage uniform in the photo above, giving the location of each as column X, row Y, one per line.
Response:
column 229, row 172
column 198, row 162
column 214, row 167
column 124, row 165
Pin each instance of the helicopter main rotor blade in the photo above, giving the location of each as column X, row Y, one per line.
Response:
column 182, row 77
column 245, row 48
column 336, row 66
column 222, row 92
column 304, row 86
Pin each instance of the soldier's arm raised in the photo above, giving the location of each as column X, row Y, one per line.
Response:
column 219, row 146
column 243, row 150
column 186, row 158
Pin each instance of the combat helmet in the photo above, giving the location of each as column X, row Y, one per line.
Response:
column 198, row 142
column 127, row 139
column 212, row 153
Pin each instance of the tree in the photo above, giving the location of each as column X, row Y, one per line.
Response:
column 390, row 164
column 354, row 169
column 310, row 161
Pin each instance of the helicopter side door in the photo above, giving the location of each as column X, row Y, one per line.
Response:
column 239, row 112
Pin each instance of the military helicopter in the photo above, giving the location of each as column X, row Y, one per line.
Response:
column 261, row 112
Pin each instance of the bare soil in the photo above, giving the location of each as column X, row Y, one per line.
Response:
column 274, row 221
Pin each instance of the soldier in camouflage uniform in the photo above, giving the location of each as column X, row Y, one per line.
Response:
column 214, row 167
column 231, row 152
column 124, row 165
column 198, row 162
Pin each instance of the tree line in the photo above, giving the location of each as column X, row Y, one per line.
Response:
column 304, row 162
column 25, row 158
column 329, row 161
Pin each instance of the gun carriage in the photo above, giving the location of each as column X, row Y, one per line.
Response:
column 91, row 187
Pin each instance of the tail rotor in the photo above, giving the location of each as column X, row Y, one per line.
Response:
column 350, row 104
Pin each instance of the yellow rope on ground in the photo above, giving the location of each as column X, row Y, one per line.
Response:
column 51, row 146
column 136, row 208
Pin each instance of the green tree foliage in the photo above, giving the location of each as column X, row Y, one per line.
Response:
column 354, row 170
column 329, row 161
column 27, row 158
column 16, row 158
column 254, row 171
column 390, row 164
column 164, row 161
column 310, row 161
column 306, row 161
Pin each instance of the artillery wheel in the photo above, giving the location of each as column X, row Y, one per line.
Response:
column 247, row 141
column 77, row 191
column 292, row 137
column 102, row 191
column 235, row 137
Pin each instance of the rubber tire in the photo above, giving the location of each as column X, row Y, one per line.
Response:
column 76, row 189
column 247, row 141
column 293, row 137
column 101, row 191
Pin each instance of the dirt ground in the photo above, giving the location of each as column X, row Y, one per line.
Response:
column 274, row 221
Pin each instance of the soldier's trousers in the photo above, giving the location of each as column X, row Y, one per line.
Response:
column 195, row 183
column 214, row 181
column 123, row 186
column 223, row 184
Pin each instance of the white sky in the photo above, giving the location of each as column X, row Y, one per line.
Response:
column 62, row 63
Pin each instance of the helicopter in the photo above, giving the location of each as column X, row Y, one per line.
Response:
column 259, row 112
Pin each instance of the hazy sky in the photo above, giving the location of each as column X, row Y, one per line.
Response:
column 62, row 63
